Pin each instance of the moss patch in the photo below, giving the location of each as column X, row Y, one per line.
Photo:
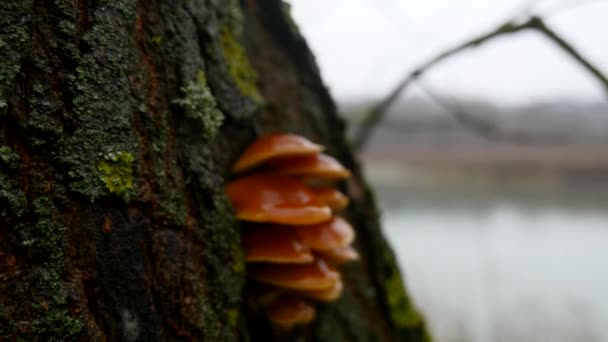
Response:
column 402, row 311
column 286, row 9
column 9, row 158
column 102, row 101
column 200, row 105
column 42, row 283
column 12, row 199
column 14, row 43
column 117, row 172
column 239, row 68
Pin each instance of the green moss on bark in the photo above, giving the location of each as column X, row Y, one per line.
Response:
column 12, row 199
column 286, row 8
column 8, row 158
column 46, row 313
column 200, row 105
column 402, row 311
column 102, row 104
column 239, row 68
column 15, row 19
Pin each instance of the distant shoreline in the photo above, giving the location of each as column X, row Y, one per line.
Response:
column 515, row 160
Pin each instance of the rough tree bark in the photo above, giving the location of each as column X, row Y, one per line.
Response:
column 118, row 122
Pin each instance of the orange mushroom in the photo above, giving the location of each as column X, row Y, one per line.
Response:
column 274, row 244
column 268, row 197
column 287, row 311
column 274, row 145
column 332, row 197
column 325, row 295
column 342, row 255
column 292, row 254
column 315, row 166
column 335, row 233
column 315, row 276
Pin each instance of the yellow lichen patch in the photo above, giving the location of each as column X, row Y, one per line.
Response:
column 239, row 68
column 117, row 172
column 233, row 317
column 157, row 40
column 238, row 258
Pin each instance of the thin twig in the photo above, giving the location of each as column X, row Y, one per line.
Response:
column 569, row 49
column 486, row 129
column 379, row 110
column 468, row 121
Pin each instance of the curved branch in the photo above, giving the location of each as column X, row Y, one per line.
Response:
column 377, row 112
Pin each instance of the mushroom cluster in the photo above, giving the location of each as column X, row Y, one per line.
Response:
column 293, row 241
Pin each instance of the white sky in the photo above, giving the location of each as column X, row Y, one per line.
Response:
column 364, row 47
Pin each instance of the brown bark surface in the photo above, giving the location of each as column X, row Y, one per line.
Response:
column 118, row 123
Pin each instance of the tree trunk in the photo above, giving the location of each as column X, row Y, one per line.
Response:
column 119, row 120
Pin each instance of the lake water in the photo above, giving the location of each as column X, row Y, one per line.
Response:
column 501, row 260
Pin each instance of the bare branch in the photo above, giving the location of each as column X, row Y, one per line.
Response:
column 484, row 128
column 466, row 120
column 377, row 112
column 539, row 25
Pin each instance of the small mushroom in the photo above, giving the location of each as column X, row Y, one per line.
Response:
column 274, row 145
column 326, row 295
column 268, row 197
column 314, row 276
column 335, row 233
column 319, row 166
column 286, row 311
column 335, row 199
column 341, row 255
column 274, row 244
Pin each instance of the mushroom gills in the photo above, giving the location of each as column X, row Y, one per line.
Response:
column 329, row 294
column 287, row 311
column 274, row 244
column 314, row 276
column 269, row 197
column 335, row 199
column 339, row 256
column 335, row 233
column 316, row 166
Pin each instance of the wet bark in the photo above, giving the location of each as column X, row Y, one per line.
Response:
column 118, row 123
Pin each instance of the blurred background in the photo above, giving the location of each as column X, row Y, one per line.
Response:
column 491, row 169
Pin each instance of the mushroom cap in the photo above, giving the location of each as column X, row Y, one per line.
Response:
column 314, row 276
column 274, row 145
column 316, row 166
column 268, row 197
column 335, row 199
column 328, row 235
column 342, row 255
column 287, row 311
column 329, row 294
column 274, row 244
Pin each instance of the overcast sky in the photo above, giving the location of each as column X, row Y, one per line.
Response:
column 364, row 47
